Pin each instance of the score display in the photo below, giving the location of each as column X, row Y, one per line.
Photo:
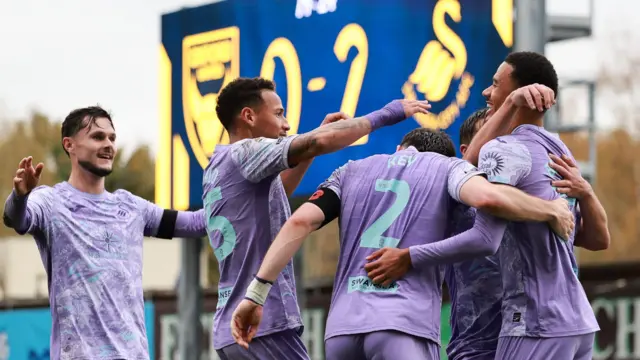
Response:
column 325, row 56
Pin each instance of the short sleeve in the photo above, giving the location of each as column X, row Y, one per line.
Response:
column 505, row 161
column 459, row 172
column 39, row 209
column 151, row 213
column 334, row 181
column 261, row 158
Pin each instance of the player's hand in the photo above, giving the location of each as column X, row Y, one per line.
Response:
column 535, row 97
column 333, row 117
column 572, row 184
column 412, row 107
column 387, row 265
column 563, row 221
column 245, row 321
column 27, row 176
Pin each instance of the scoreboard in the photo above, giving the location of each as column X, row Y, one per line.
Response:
column 324, row 56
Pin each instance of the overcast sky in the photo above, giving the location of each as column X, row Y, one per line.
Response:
column 63, row 54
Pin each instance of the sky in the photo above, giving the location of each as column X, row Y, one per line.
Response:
column 64, row 54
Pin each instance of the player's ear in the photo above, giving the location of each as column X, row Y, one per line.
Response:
column 398, row 148
column 67, row 144
column 463, row 149
column 248, row 116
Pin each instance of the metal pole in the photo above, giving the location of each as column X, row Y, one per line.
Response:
column 530, row 25
column 190, row 301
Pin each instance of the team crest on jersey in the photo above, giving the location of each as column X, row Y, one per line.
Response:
column 210, row 61
column 492, row 163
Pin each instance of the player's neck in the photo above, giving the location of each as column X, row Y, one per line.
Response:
column 240, row 134
column 526, row 116
column 85, row 181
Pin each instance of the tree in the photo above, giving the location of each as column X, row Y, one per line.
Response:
column 618, row 166
column 40, row 138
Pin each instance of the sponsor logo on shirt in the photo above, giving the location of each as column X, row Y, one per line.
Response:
column 364, row 284
column 223, row 296
column 492, row 163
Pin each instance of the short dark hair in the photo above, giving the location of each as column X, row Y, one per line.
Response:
column 238, row 94
column 427, row 140
column 469, row 127
column 79, row 119
column 532, row 68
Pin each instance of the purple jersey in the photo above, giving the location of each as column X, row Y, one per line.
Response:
column 542, row 294
column 246, row 205
column 475, row 289
column 396, row 200
column 91, row 246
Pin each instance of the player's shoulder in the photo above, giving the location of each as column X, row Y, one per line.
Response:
column 122, row 195
column 46, row 190
column 505, row 146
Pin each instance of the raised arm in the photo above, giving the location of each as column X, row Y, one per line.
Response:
column 338, row 135
column 533, row 96
column 28, row 207
column 593, row 231
column 291, row 177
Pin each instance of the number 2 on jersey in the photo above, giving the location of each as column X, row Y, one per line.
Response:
column 372, row 236
column 219, row 223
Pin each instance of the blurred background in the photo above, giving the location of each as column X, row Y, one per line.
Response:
column 157, row 66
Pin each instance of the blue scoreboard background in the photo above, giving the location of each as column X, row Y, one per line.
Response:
column 324, row 55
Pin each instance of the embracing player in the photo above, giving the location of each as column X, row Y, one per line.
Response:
column 90, row 241
column 245, row 197
column 391, row 200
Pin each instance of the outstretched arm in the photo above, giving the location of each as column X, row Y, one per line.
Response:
column 535, row 97
column 338, row 135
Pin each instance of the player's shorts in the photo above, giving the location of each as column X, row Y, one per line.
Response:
column 283, row 345
column 578, row 347
column 380, row 345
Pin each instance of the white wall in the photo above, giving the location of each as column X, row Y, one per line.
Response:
column 23, row 276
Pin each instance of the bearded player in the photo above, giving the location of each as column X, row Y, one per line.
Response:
column 90, row 241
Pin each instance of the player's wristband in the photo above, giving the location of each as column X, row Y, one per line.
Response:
column 258, row 291
column 390, row 114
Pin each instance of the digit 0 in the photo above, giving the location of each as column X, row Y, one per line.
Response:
column 283, row 48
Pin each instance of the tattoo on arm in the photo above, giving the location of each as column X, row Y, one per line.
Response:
column 326, row 139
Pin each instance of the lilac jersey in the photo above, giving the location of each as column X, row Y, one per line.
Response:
column 406, row 197
column 475, row 289
column 91, row 246
column 246, row 205
column 542, row 294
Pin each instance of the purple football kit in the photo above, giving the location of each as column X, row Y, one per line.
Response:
column 241, row 185
column 545, row 311
column 91, row 246
column 404, row 195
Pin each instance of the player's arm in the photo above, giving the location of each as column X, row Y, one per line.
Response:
column 260, row 158
column 593, row 231
column 167, row 224
column 338, row 135
column 532, row 96
column 291, row 177
column 28, row 213
column 505, row 162
column 319, row 210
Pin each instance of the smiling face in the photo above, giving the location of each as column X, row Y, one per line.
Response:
column 502, row 85
column 269, row 120
column 93, row 146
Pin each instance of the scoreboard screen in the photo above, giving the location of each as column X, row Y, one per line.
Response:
column 324, row 56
